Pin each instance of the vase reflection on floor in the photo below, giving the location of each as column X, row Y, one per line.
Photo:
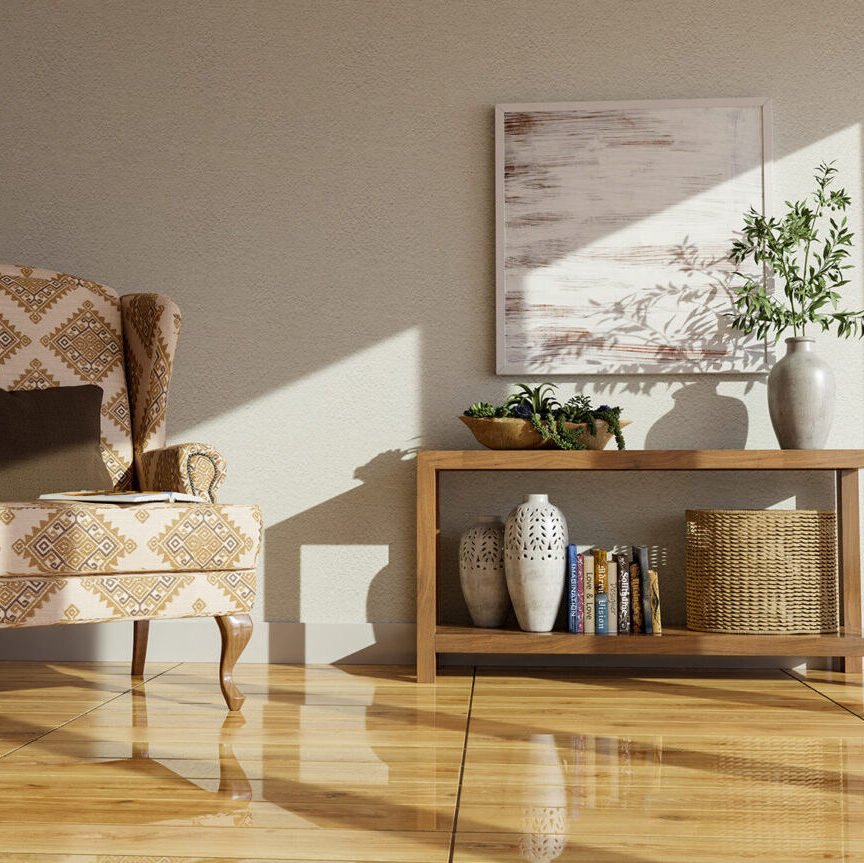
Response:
column 542, row 793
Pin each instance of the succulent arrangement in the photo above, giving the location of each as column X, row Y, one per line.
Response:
column 550, row 418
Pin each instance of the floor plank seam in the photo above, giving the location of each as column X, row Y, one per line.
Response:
column 455, row 826
column 801, row 680
column 87, row 712
column 146, row 680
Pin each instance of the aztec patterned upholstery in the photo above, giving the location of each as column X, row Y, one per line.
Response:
column 64, row 562
column 56, row 330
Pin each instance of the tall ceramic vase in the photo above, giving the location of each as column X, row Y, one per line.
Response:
column 801, row 397
column 481, row 572
column 535, row 548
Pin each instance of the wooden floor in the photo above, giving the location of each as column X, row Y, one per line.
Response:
column 361, row 764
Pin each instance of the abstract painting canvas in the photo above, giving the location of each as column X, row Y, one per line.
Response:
column 614, row 222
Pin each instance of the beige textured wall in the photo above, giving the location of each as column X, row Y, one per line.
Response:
column 312, row 181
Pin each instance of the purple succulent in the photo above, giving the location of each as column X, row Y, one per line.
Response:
column 522, row 410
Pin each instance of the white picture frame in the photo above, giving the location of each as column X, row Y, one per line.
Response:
column 613, row 225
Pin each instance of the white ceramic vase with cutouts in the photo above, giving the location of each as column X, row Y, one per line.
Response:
column 535, row 551
column 481, row 572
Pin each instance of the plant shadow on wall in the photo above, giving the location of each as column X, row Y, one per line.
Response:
column 692, row 344
column 682, row 324
column 377, row 513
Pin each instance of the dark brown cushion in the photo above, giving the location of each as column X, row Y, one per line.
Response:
column 49, row 442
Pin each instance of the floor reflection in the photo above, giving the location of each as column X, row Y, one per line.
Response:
column 141, row 789
column 336, row 764
column 319, row 759
column 665, row 767
column 560, row 793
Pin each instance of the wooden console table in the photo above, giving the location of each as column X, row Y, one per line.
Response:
column 434, row 638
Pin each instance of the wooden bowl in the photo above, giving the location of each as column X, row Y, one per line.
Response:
column 509, row 433
column 504, row 432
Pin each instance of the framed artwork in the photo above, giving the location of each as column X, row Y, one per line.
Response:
column 614, row 222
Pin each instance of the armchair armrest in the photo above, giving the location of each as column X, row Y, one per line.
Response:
column 193, row 468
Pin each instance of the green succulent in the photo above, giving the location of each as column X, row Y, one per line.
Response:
column 533, row 400
column 554, row 429
column 549, row 417
column 481, row 409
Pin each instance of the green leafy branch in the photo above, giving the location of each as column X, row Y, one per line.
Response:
column 810, row 261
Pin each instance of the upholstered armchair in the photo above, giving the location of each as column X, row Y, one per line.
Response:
column 72, row 562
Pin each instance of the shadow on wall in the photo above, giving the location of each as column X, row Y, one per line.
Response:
column 682, row 324
column 379, row 512
column 701, row 414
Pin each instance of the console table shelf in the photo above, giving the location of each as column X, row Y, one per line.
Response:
column 673, row 642
column 434, row 638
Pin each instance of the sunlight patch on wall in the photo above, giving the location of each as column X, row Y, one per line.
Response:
column 338, row 580
column 306, row 442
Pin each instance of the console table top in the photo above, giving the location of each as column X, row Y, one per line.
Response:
column 647, row 459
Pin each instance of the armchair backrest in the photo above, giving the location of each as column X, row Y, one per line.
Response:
column 60, row 330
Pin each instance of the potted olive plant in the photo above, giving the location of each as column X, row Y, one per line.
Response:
column 806, row 253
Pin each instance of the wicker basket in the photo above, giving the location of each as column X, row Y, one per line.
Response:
column 762, row 571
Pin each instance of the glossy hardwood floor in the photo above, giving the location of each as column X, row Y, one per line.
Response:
column 361, row 764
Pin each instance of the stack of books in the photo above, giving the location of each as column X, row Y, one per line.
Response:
column 609, row 594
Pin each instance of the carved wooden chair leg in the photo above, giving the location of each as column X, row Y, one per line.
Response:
column 236, row 630
column 139, row 646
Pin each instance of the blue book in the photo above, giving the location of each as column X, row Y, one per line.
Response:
column 572, row 590
column 601, row 618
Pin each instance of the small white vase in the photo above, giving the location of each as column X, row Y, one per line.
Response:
column 801, row 397
column 481, row 572
column 535, row 550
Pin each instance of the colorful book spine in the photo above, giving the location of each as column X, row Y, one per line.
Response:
column 612, row 595
column 580, row 593
column 589, row 606
column 654, row 587
column 640, row 555
column 601, row 573
column 636, row 600
column 601, row 617
column 625, row 620
column 572, row 590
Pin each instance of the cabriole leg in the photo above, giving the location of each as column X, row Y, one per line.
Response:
column 236, row 630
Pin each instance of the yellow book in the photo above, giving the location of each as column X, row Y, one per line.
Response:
column 654, row 594
column 601, row 572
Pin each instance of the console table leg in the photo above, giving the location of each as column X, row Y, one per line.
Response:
column 427, row 569
column 849, row 547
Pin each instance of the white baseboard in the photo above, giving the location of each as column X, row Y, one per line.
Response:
column 323, row 643
column 197, row 640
